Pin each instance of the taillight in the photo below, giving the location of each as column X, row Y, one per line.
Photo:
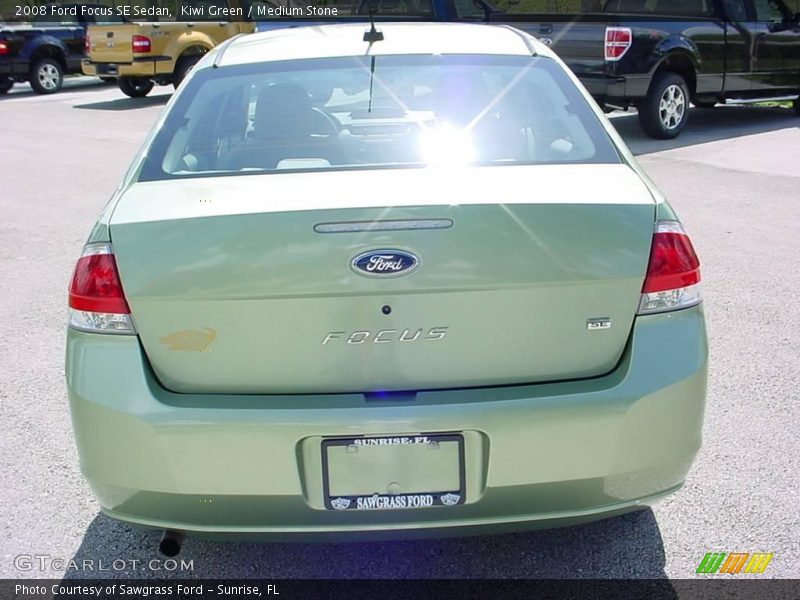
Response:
column 673, row 273
column 140, row 44
column 3, row 47
column 96, row 300
column 618, row 41
column 87, row 45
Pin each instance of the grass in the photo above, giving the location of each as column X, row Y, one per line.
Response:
column 782, row 104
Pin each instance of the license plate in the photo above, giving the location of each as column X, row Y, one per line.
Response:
column 393, row 472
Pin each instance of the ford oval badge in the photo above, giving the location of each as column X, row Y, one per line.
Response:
column 385, row 263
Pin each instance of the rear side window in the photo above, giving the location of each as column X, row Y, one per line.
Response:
column 678, row 8
column 413, row 8
column 735, row 10
column 548, row 7
column 381, row 112
column 770, row 11
column 689, row 8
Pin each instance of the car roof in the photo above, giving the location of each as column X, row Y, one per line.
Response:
column 337, row 40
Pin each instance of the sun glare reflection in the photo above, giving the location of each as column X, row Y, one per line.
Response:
column 447, row 146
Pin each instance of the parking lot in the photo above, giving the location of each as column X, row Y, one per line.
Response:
column 732, row 176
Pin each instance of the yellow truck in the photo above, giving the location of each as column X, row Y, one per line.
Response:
column 142, row 54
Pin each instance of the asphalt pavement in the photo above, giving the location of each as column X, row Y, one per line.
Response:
column 733, row 177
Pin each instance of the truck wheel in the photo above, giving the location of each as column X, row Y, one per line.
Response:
column 135, row 87
column 664, row 112
column 183, row 67
column 5, row 84
column 46, row 76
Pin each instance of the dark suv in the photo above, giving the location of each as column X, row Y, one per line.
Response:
column 50, row 47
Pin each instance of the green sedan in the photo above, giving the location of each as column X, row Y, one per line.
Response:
column 363, row 284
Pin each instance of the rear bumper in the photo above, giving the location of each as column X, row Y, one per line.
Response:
column 602, row 87
column 539, row 454
column 616, row 89
column 11, row 67
column 150, row 66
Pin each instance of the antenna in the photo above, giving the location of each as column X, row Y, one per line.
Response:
column 373, row 35
column 371, row 76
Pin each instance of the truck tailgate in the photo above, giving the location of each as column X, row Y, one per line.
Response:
column 112, row 43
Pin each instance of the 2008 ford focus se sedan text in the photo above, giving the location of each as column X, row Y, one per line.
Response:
column 365, row 286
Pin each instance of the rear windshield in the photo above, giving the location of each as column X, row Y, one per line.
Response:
column 376, row 112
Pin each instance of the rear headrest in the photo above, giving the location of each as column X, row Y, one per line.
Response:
column 283, row 110
column 460, row 97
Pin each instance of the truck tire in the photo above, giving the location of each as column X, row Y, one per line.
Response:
column 5, row 84
column 46, row 76
column 182, row 68
column 135, row 87
column 665, row 111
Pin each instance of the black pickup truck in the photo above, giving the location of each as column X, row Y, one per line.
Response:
column 655, row 55
column 658, row 55
column 52, row 45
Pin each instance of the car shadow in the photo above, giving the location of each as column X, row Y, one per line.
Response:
column 126, row 103
column 707, row 125
column 626, row 547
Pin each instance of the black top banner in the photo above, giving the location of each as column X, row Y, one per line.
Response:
column 112, row 12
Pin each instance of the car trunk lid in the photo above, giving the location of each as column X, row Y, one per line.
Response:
column 246, row 284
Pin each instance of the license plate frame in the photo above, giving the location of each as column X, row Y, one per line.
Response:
column 443, row 498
